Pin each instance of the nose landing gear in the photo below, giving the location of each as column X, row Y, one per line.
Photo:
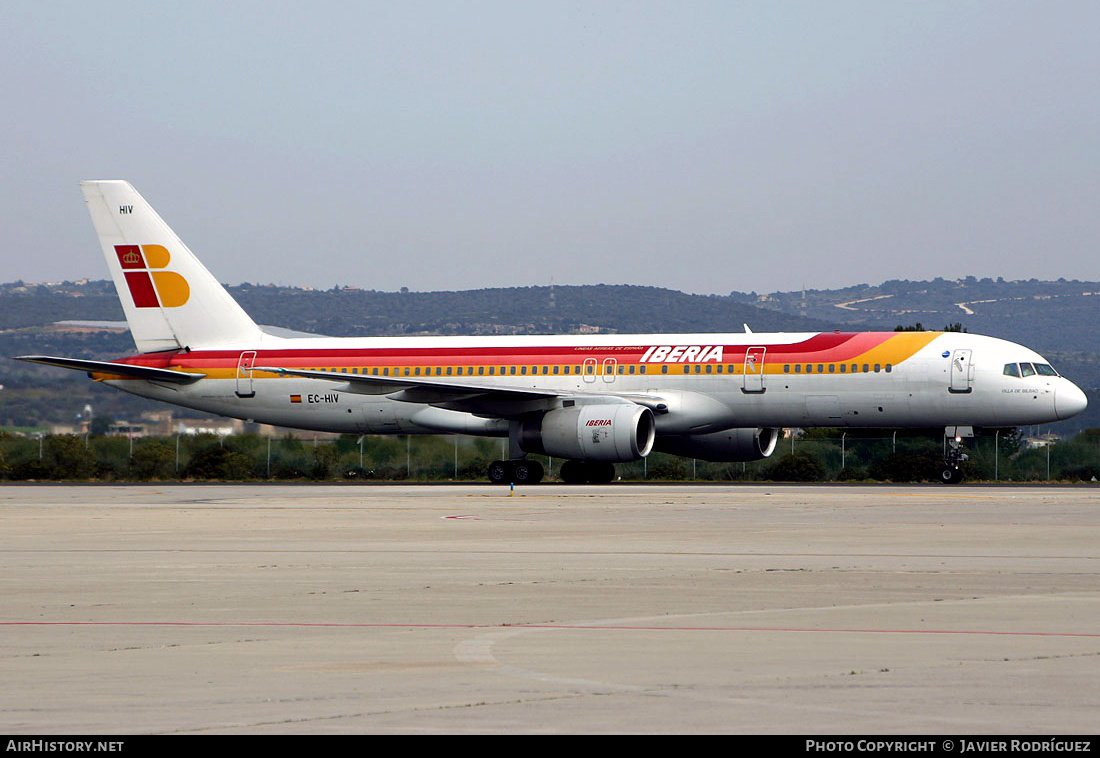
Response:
column 953, row 455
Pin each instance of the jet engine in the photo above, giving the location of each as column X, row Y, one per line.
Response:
column 729, row 446
column 609, row 432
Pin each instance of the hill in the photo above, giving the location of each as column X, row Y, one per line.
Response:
column 1055, row 317
column 1050, row 316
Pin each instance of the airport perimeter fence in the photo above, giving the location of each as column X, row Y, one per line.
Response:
column 822, row 456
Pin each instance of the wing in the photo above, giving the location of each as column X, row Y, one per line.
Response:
column 470, row 396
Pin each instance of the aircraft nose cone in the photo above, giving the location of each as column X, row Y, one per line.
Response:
column 1069, row 400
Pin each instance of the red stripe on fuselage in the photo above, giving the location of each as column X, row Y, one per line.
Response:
column 826, row 347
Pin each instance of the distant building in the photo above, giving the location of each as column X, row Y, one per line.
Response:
column 120, row 428
column 217, row 426
column 266, row 430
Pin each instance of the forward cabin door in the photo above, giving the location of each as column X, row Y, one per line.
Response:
column 244, row 374
column 754, row 370
column 962, row 371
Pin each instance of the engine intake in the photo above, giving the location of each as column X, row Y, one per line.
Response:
column 612, row 432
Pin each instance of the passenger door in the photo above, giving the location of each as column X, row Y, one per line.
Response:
column 962, row 371
column 754, row 370
column 244, row 374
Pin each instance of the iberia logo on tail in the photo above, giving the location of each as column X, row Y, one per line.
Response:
column 149, row 286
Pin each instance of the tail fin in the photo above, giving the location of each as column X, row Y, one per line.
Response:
column 171, row 301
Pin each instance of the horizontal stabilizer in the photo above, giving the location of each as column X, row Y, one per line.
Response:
column 117, row 369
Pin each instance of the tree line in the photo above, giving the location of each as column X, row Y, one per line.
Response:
column 817, row 456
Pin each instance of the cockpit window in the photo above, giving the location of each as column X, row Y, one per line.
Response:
column 1029, row 369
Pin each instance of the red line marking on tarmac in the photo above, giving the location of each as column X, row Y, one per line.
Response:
column 563, row 627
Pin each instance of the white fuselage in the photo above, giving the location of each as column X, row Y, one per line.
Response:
column 729, row 380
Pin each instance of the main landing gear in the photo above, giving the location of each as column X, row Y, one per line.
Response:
column 521, row 471
column 525, row 471
column 587, row 472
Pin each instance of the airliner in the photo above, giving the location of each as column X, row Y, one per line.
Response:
column 592, row 401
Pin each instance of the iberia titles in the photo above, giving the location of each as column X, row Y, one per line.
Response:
column 682, row 354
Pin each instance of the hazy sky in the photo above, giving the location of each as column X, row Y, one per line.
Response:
column 702, row 146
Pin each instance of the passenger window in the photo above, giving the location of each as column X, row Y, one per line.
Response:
column 1011, row 369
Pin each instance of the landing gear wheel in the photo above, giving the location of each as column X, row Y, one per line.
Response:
column 527, row 472
column 950, row 475
column 583, row 472
column 572, row 472
column 500, row 472
column 515, row 472
column 601, row 473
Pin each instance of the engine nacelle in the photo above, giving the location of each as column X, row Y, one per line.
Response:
column 729, row 446
column 692, row 413
column 611, row 432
